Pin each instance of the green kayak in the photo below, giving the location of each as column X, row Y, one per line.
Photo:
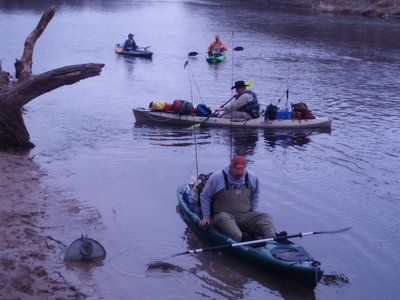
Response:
column 284, row 257
column 214, row 59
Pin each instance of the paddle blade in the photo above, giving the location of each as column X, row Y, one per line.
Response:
column 186, row 63
column 249, row 83
column 333, row 231
column 238, row 49
column 194, row 53
column 194, row 126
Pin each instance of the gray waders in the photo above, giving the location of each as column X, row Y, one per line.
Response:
column 232, row 212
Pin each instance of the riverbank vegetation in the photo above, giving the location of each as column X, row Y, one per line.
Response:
column 375, row 8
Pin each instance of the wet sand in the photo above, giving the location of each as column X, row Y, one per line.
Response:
column 29, row 248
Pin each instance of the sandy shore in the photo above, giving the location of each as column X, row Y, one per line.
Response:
column 29, row 264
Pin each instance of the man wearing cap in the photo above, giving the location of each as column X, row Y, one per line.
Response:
column 245, row 105
column 230, row 199
column 130, row 43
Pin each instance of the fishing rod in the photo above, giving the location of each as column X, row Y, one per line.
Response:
column 287, row 90
column 194, row 129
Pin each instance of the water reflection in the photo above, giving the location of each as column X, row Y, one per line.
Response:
column 169, row 136
column 287, row 138
column 243, row 141
column 85, row 266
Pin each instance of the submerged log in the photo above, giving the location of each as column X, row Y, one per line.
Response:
column 14, row 94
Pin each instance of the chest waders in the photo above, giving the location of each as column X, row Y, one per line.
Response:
column 235, row 201
column 232, row 212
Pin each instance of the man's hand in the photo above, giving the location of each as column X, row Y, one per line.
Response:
column 206, row 221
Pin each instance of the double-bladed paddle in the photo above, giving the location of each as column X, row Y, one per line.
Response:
column 248, row 83
column 194, row 53
column 221, row 247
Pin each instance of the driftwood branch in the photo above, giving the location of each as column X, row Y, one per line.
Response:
column 15, row 94
column 23, row 67
column 34, row 86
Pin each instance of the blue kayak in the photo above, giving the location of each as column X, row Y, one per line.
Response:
column 284, row 257
column 137, row 53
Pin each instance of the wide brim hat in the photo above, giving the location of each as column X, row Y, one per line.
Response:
column 239, row 84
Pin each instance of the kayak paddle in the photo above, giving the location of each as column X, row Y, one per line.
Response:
column 248, row 83
column 194, row 53
column 301, row 234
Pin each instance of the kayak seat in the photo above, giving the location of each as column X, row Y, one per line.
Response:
column 246, row 236
column 280, row 238
column 293, row 255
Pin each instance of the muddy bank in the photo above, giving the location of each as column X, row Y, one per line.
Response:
column 31, row 238
column 372, row 8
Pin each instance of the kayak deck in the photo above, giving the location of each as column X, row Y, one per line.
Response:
column 147, row 116
column 286, row 258
column 136, row 53
column 215, row 59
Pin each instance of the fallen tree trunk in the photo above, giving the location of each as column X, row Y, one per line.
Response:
column 14, row 94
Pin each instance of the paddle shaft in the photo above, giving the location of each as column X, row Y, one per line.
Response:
column 301, row 234
column 248, row 83
column 194, row 53
column 213, row 114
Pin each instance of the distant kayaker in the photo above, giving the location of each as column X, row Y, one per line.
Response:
column 217, row 46
column 232, row 195
column 130, row 44
column 245, row 105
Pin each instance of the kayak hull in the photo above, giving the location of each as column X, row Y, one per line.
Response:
column 215, row 59
column 307, row 272
column 148, row 116
column 134, row 53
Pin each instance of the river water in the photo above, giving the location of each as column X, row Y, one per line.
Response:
column 88, row 142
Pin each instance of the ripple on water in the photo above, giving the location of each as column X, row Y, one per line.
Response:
column 139, row 261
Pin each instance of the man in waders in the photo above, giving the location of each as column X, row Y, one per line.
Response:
column 232, row 195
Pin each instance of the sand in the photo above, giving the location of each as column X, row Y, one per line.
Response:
column 30, row 267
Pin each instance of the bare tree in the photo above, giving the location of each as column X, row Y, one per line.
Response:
column 14, row 94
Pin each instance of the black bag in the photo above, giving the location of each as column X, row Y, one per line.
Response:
column 270, row 112
column 203, row 110
column 301, row 108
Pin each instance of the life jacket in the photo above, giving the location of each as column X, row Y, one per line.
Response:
column 252, row 107
column 216, row 47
